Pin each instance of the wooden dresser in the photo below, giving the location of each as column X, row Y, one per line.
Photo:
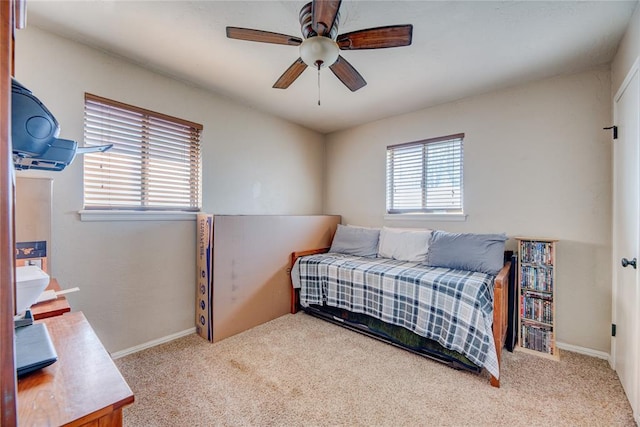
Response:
column 83, row 388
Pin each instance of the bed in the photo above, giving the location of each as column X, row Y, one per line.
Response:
column 450, row 312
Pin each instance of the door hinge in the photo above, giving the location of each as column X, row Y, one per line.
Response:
column 613, row 329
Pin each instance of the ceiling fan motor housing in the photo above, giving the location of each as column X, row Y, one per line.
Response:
column 306, row 21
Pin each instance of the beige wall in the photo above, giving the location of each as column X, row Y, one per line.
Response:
column 137, row 278
column 536, row 163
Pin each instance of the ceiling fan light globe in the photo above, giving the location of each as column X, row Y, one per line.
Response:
column 319, row 50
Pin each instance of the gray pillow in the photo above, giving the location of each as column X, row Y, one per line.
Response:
column 358, row 241
column 483, row 253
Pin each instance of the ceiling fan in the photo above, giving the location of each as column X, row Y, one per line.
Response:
column 321, row 45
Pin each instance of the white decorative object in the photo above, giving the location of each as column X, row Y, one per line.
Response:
column 31, row 281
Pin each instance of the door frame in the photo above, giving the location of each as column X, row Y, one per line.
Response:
column 633, row 71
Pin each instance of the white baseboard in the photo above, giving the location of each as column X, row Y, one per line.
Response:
column 153, row 343
column 583, row 350
column 118, row 354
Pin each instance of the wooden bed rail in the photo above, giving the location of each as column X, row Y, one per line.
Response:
column 500, row 304
column 500, row 314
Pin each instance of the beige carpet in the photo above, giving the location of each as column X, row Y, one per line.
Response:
column 299, row 370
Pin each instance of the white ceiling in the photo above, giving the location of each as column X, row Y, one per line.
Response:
column 460, row 48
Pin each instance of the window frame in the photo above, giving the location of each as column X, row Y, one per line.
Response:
column 455, row 213
column 145, row 207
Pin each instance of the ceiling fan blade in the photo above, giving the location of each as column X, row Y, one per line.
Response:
column 347, row 74
column 289, row 76
column 262, row 36
column 376, row 38
column 323, row 15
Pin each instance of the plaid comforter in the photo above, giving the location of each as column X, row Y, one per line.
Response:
column 452, row 307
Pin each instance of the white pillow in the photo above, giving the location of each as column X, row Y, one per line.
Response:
column 404, row 244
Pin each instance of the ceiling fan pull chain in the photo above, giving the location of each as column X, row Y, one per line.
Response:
column 319, row 63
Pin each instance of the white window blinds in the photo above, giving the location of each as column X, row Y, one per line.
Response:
column 425, row 176
column 154, row 163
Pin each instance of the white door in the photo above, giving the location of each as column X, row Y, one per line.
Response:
column 626, row 237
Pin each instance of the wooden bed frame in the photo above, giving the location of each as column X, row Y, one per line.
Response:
column 500, row 303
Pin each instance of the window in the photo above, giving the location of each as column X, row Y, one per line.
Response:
column 425, row 176
column 154, row 163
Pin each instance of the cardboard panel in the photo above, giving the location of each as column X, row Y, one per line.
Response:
column 251, row 254
column 204, row 276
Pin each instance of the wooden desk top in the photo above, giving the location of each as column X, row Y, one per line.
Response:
column 51, row 308
column 82, row 386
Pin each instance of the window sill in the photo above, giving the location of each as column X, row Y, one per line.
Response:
column 426, row 217
column 122, row 215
